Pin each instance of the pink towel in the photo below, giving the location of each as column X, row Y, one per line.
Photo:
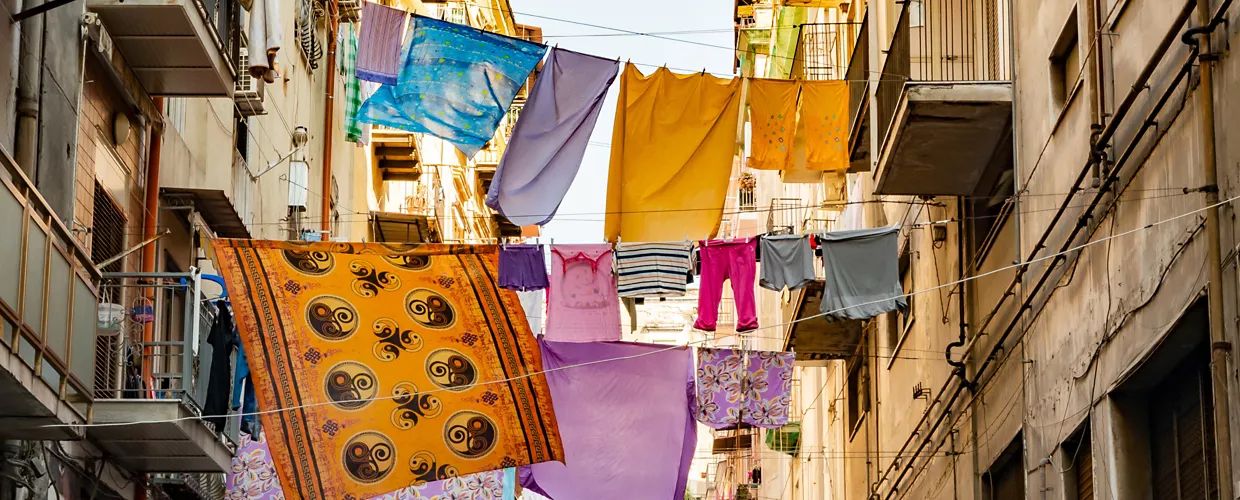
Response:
column 378, row 43
column 582, row 305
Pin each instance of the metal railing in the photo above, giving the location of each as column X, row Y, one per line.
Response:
column 784, row 214
column 858, row 77
column 944, row 41
column 153, row 340
column 48, row 294
column 223, row 20
column 823, row 50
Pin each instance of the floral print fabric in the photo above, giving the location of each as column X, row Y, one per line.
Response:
column 253, row 477
column 753, row 387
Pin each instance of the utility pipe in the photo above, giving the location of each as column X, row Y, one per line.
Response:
column 149, row 225
column 1220, row 348
column 1107, row 133
column 28, row 77
column 332, row 28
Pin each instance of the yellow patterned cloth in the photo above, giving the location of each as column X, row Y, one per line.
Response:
column 386, row 357
column 672, row 150
column 824, row 113
column 773, row 116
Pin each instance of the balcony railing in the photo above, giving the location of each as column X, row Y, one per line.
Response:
column 47, row 307
column 823, row 50
column 858, row 77
column 943, row 41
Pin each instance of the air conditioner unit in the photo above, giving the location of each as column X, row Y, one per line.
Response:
column 249, row 91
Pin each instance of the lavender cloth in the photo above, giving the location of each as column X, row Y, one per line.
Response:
column 550, row 137
column 753, row 387
column 522, row 268
column 378, row 44
column 626, row 425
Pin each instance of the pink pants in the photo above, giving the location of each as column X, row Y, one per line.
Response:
column 733, row 261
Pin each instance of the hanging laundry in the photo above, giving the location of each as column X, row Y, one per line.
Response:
column 854, row 213
column 862, row 273
column 264, row 33
column 253, row 477
column 352, row 86
column 733, row 261
column 219, row 387
column 672, row 149
column 773, row 118
column 582, row 305
column 626, row 422
column 550, row 137
column 522, row 267
column 824, row 113
column 734, row 387
column 243, row 398
column 788, row 262
column 378, row 44
column 373, row 329
column 456, row 83
column 653, row 269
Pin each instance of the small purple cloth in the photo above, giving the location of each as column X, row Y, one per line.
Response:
column 626, row 425
column 378, row 44
column 550, row 138
column 522, row 268
column 732, row 389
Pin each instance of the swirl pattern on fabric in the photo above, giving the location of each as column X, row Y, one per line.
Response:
column 434, row 319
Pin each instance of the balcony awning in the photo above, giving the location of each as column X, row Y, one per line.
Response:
column 214, row 207
column 818, row 340
column 731, row 444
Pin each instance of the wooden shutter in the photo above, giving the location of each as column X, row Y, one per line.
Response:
column 1084, row 466
column 1182, row 434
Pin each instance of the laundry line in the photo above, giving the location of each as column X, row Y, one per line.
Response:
column 693, row 343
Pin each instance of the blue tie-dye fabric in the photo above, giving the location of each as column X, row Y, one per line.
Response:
column 456, row 83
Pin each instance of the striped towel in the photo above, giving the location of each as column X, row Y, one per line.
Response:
column 652, row 269
column 378, row 44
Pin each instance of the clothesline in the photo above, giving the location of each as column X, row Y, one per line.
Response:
column 693, row 343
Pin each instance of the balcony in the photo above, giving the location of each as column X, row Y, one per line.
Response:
column 815, row 339
column 153, row 366
column 176, row 47
column 47, row 316
column 396, row 152
column 945, row 98
column 858, row 77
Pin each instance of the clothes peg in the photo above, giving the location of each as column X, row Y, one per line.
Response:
column 703, row 71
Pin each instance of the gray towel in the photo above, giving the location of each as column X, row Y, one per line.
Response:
column 863, row 273
column 787, row 261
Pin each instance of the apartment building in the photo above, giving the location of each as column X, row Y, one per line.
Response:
column 1054, row 167
column 133, row 132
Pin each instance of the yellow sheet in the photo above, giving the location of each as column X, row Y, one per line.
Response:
column 824, row 112
column 385, row 358
column 773, row 118
column 672, row 151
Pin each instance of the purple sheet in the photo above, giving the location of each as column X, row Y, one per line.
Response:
column 550, row 137
column 626, row 425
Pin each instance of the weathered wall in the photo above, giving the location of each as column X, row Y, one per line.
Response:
column 60, row 91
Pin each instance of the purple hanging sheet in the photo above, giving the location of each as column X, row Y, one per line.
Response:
column 626, row 425
column 731, row 389
column 550, row 137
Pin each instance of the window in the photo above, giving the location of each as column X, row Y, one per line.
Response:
column 1076, row 459
column 858, row 386
column 108, row 231
column 899, row 323
column 174, row 111
column 1065, row 63
column 916, row 14
column 987, row 214
column 1006, row 478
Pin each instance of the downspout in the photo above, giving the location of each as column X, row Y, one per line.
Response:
column 29, row 76
column 1220, row 348
column 1094, row 67
column 326, row 208
column 149, row 225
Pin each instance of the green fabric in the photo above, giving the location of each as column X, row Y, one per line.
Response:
column 352, row 86
column 786, row 439
column 786, row 34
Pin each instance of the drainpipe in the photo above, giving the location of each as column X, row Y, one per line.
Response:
column 332, row 29
column 149, row 224
column 28, row 77
column 1220, row 348
column 1094, row 67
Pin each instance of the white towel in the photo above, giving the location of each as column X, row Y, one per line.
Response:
column 264, row 39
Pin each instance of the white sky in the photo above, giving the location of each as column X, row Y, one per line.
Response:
column 580, row 217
